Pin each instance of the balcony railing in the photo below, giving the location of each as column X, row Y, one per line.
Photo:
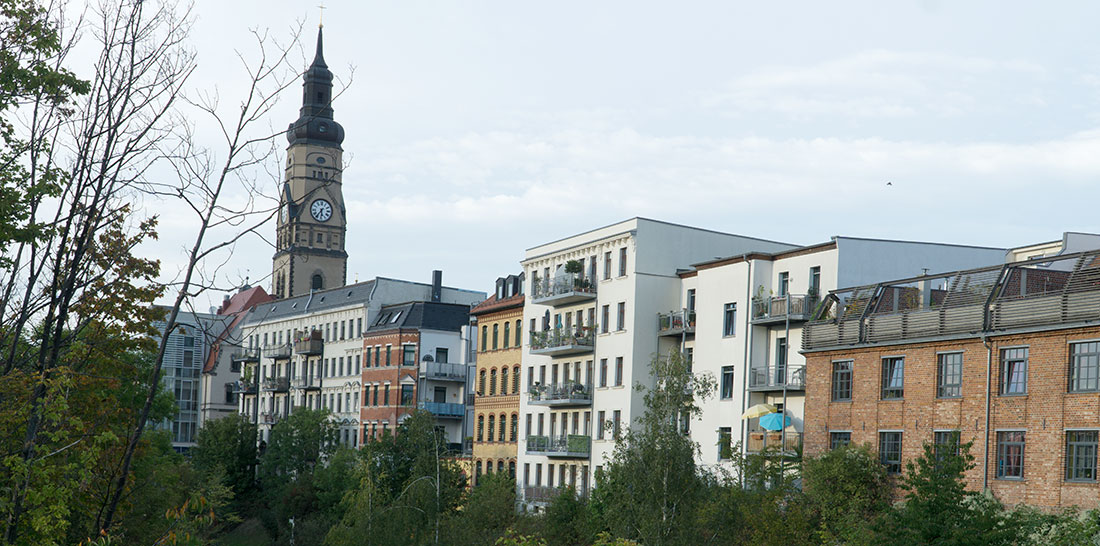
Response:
column 443, row 409
column 569, row 393
column 770, row 310
column 443, row 371
column 540, row 493
column 310, row 344
column 269, row 418
column 244, row 387
column 278, row 352
column 245, row 355
column 572, row 445
column 562, row 341
column 307, row 383
column 776, row 377
column 676, row 323
column 276, row 384
column 761, row 440
column 564, row 289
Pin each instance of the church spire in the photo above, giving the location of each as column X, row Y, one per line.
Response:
column 315, row 122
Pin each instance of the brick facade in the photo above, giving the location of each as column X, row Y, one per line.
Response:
column 497, row 384
column 382, row 382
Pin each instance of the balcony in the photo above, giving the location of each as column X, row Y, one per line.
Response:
column 244, row 387
column 307, row 383
column 676, row 323
column 573, row 445
column 540, row 493
column 443, row 409
column 760, row 440
column 569, row 393
column 310, row 344
column 774, row 378
column 278, row 352
column 269, row 418
column 245, row 355
column 276, row 384
column 773, row 310
column 564, row 289
column 561, row 342
column 443, row 371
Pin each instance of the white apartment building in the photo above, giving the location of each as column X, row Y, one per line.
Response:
column 590, row 318
column 740, row 319
column 307, row 351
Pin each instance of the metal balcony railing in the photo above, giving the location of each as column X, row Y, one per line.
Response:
column 562, row 341
column 244, row 387
column 774, row 309
column 569, row 393
column 443, row 371
column 776, row 377
column 676, row 323
column 761, row 440
column 308, row 383
column 443, row 409
column 276, row 384
column 310, row 344
column 540, row 493
column 564, row 288
column 572, row 445
column 245, row 355
column 278, row 352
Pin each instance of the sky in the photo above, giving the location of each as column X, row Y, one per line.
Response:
column 478, row 129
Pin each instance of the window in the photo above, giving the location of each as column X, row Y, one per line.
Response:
column 889, row 451
column 496, row 334
column 725, row 443
column 616, row 422
column 492, row 420
column 507, row 334
column 781, row 361
column 406, row 395
column 622, row 262
column 389, row 350
column 1084, row 366
column 377, row 355
column 492, row 382
column 839, row 439
column 1081, row 455
column 600, row 422
column 603, row 372
column 784, row 283
column 618, row 371
column 842, row 381
column 359, row 327
column 409, row 355
column 729, row 319
column 317, row 282
column 519, row 334
column 481, row 383
column 530, row 377
column 949, row 375
column 481, row 428
column 621, row 324
column 945, row 442
column 727, row 382
column 815, row 281
column 893, row 378
column 1010, row 454
column 375, row 398
column 1014, row 371
column 605, row 317
column 485, row 338
column 514, row 429
column 515, row 379
column 501, row 432
column 386, row 400
column 504, row 381
column 442, row 354
column 607, row 265
column 691, row 299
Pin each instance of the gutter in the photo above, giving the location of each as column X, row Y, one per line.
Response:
column 988, row 394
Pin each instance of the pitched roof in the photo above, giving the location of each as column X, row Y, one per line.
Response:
column 493, row 304
column 236, row 306
column 424, row 315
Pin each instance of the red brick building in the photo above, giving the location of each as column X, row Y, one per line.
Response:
column 1007, row 357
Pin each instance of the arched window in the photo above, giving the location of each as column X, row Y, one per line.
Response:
column 503, row 420
column 504, row 380
column 484, row 338
column 515, row 428
column 506, row 334
column 481, row 428
column 512, row 469
column 519, row 339
column 477, row 472
column 491, row 419
column 317, row 281
column 515, row 379
column 481, row 384
column 496, row 330
column 488, row 467
column 492, row 382
column 500, row 466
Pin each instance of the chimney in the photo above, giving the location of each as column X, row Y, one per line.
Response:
column 437, row 285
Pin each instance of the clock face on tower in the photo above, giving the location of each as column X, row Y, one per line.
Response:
column 321, row 210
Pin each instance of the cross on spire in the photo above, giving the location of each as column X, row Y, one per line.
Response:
column 321, row 19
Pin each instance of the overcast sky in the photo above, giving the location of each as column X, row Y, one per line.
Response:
column 476, row 130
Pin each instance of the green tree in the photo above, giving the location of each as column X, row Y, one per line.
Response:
column 651, row 488
column 488, row 512
column 569, row 520
column 847, row 487
column 227, row 446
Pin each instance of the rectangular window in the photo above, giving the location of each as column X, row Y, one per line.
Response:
column 607, row 265
column 784, row 283
column 496, row 336
column 618, row 371
column 842, row 381
column 389, row 351
column 507, row 334
column 621, row 324
column 377, row 355
column 725, row 443
column 893, row 378
column 358, row 327
column 889, row 451
column 442, row 354
column 386, row 396
column 727, row 382
column 1084, row 366
column 945, row 442
column 616, row 423
column 839, row 439
column 1081, row 455
column 485, row 338
column 1010, row 455
column 949, row 375
column 729, row 319
column 600, row 425
column 691, row 299
column 622, row 262
column 375, row 397
column 815, row 281
column 1014, row 371
column 406, row 395
column 408, row 357
column 603, row 372
column 530, row 377
column 605, row 316
column 519, row 333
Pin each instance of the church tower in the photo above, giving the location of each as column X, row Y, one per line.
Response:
column 309, row 248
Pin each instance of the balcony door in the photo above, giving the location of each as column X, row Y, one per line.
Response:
column 440, row 395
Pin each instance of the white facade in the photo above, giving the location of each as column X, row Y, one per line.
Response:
column 294, row 372
column 591, row 336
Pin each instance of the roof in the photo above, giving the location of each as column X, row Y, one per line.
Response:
column 422, row 315
column 236, row 306
column 493, row 304
column 320, row 300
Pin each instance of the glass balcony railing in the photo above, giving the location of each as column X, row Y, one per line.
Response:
column 443, row 371
column 569, row 393
column 563, row 341
column 276, row 384
column 245, row 355
column 443, row 409
column 572, row 445
column 310, row 344
column 278, row 352
column 761, row 440
column 563, row 289
column 766, row 378
column 676, row 323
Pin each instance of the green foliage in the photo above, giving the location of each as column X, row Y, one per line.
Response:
column 487, row 514
column 847, row 487
column 569, row 521
column 227, row 446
